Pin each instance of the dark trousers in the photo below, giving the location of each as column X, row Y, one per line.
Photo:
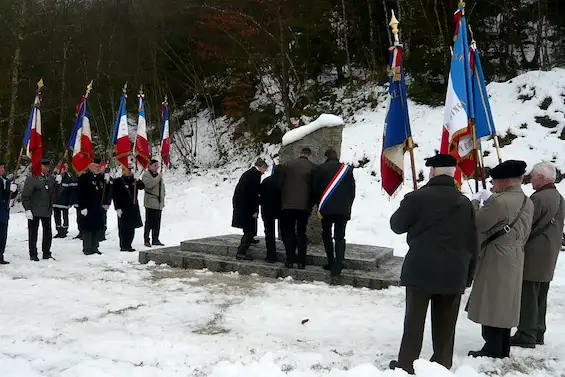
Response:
column 78, row 222
column 338, row 223
column 152, row 224
column 497, row 342
column 61, row 213
column 91, row 241
column 249, row 232
column 532, row 312
column 126, row 232
column 445, row 309
column 3, row 238
column 270, row 240
column 293, row 226
column 33, row 228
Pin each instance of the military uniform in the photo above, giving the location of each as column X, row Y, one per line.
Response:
column 64, row 192
column 37, row 199
column 541, row 253
column 125, row 193
column 504, row 224
column 8, row 191
column 442, row 235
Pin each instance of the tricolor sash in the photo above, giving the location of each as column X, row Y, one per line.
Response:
column 336, row 180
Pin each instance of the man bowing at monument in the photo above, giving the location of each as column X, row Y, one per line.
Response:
column 443, row 241
column 504, row 224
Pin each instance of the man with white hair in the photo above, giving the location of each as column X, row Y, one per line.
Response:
column 541, row 252
column 442, row 234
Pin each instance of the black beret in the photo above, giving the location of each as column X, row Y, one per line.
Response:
column 45, row 161
column 97, row 160
column 153, row 161
column 508, row 169
column 441, row 161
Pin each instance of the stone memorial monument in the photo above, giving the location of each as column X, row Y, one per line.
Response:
column 319, row 135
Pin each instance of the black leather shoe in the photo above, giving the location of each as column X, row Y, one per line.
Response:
column 4, row 262
column 518, row 341
column 301, row 266
column 255, row 242
column 243, row 257
column 288, row 265
column 35, row 259
column 393, row 364
column 158, row 243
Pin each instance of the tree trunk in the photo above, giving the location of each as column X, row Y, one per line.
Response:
column 16, row 64
column 62, row 97
column 387, row 22
column 372, row 37
column 345, row 38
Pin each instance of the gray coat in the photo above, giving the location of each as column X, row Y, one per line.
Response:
column 154, row 191
column 296, row 185
column 497, row 289
column 37, row 195
column 544, row 243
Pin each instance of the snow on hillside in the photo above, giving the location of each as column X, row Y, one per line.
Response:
column 110, row 316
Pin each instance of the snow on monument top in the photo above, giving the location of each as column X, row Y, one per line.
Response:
column 324, row 120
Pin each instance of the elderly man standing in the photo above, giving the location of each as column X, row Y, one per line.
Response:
column 504, row 224
column 154, row 201
column 542, row 250
column 443, row 240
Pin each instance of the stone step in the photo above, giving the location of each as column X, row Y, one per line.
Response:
column 379, row 278
column 358, row 257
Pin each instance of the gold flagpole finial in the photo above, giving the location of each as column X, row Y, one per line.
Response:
column 461, row 4
column 166, row 98
column 89, row 88
column 141, row 90
column 125, row 88
column 394, row 26
column 40, row 84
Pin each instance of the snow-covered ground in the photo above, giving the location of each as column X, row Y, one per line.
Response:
column 110, row 316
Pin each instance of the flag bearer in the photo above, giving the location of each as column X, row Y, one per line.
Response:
column 92, row 200
column 504, row 224
column 125, row 194
column 8, row 191
column 154, row 201
column 37, row 199
column 333, row 186
column 442, row 235
column 63, row 200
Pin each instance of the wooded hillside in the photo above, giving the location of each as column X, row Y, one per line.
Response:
column 218, row 54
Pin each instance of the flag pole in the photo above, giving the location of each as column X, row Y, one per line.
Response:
column 409, row 142
column 140, row 95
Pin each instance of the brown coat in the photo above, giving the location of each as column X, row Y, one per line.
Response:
column 542, row 248
column 296, row 184
column 497, row 289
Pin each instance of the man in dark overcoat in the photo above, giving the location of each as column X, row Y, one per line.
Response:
column 270, row 200
column 8, row 192
column 297, row 203
column 37, row 199
column 441, row 233
column 504, row 224
column 125, row 193
column 336, row 209
column 246, row 206
column 541, row 253
column 93, row 201
column 63, row 200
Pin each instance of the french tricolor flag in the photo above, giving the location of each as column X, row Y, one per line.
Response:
column 141, row 143
column 81, row 138
column 32, row 138
column 121, row 134
column 165, row 138
column 457, row 137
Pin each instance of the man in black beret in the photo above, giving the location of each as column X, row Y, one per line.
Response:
column 37, row 199
column 441, row 233
column 504, row 223
column 8, row 191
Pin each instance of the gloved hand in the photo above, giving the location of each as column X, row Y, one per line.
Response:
column 29, row 215
column 84, row 212
column 75, row 205
column 59, row 179
column 105, row 207
column 107, row 177
column 13, row 187
column 119, row 212
column 69, row 207
column 485, row 194
column 255, row 215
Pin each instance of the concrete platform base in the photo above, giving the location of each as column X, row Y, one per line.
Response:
column 365, row 266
